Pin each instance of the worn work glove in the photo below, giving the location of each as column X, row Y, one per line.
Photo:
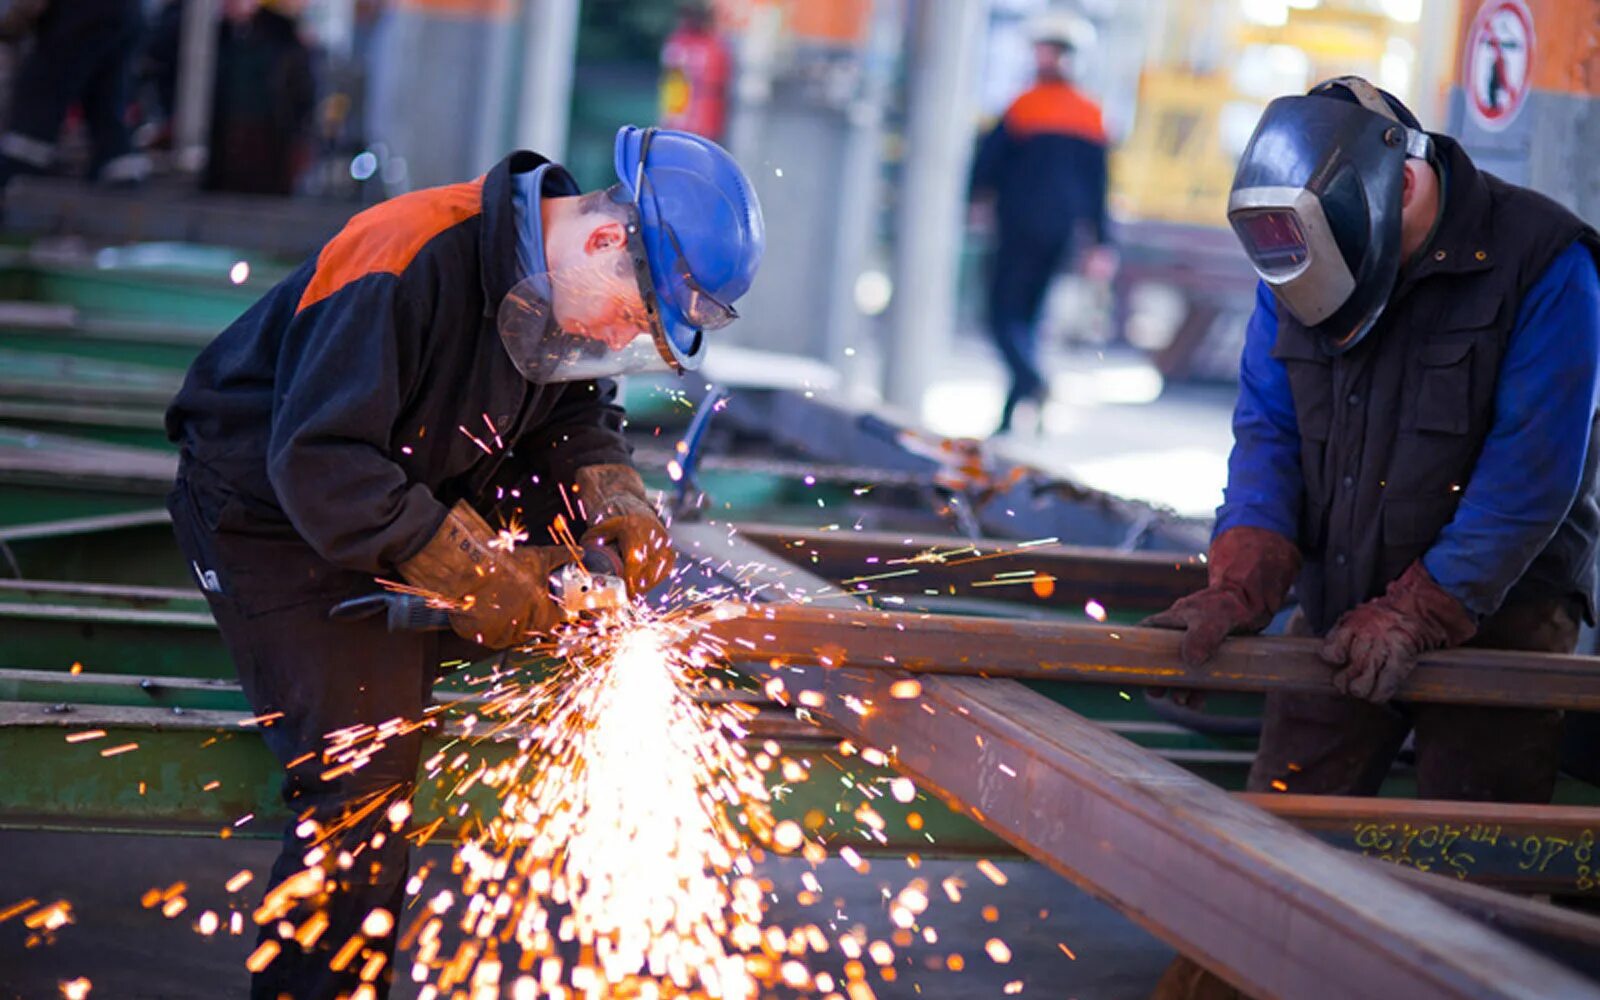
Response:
column 500, row 595
column 621, row 518
column 1250, row 571
column 1377, row 643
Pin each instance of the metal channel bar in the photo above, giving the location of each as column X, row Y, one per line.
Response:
column 1245, row 894
column 947, row 644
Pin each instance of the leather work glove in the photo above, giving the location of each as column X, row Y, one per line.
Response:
column 622, row 518
column 501, row 596
column 1250, row 571
column 1378, row 642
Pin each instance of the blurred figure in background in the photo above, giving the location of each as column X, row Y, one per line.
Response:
column 695, row 70
column 265, row 94
column 82, row 55
column 1044, row 166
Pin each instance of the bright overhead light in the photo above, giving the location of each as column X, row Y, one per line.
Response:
column 1272, row 13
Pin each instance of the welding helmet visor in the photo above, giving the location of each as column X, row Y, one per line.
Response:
column 1316, row 205
column 602, row 317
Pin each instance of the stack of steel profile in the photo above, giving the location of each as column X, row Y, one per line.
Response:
column 1008, row 595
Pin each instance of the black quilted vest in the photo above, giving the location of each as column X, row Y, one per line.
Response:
column 1391, row 430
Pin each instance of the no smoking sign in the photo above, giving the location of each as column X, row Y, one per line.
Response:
column 1498, row 62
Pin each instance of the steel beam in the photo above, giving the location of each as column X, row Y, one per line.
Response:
column 895, row 563
column 1569, row 937
column 947, row 644
column 1268, row 908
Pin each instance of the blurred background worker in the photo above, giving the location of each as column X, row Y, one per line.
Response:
column 1414, row 447
column 261, row 106
column 83, row 53
column 439, row 372
column 1044, row 166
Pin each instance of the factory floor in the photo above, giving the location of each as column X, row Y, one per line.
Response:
column 130, row 953
column 1111, row 422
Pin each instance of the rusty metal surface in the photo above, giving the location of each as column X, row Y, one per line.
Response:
column 1569, row 937
column 837, row 636
column 1244, row 893
column 1069, row 576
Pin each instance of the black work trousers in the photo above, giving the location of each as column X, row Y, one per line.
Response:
column 1333, row 745
column 270, row 597
column 1020, row 272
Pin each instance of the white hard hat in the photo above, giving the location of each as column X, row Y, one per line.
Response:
column 1062, row 27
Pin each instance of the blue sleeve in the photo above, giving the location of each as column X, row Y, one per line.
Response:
column 1532, row 462
column 1264, row 482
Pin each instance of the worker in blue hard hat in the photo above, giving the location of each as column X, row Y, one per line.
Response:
column 437, row 374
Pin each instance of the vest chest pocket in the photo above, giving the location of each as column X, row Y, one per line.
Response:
column 1310, row 372
column 1443, row 375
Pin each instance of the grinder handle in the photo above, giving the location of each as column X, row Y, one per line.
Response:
column 402, row 612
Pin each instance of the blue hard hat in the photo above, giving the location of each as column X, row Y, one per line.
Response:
column 701, row 222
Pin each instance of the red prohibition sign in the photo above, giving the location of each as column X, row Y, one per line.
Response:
column 1498, row 62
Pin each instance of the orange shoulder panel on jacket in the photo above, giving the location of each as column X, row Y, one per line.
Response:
column 386, row 237
column 1055, row 109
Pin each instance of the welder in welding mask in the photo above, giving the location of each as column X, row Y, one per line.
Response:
column 1415, row 447
column 418, row 402
column 1414, row 442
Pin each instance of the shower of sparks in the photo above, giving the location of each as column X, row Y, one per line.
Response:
column 611, row 799
column 614, row 835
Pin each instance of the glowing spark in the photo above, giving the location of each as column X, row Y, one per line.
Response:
column 116, row 750
column 85, row 736
column 998, row 951
column 995, row 875
column 262, row 956
column 239, row 273
column 906, row 689
column 77, row 989
column 1095, row 610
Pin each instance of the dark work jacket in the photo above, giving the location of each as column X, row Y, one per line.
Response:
column 1391, row 430
column 341, row 416
column 1045, row 163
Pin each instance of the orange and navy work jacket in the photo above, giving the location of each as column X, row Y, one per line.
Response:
column 367, row 392
column 1045, row 164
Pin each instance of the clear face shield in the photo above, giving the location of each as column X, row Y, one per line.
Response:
column 601, row 313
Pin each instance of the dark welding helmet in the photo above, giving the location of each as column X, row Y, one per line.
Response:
column 1316, row 204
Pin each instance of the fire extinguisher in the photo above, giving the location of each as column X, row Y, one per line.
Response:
column 695, row 71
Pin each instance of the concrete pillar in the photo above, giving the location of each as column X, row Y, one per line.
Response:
column 549, row 47
column 1539, row 124
column 807, row 114
column 441, row 90
column 946, row 37
column 197, row 71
